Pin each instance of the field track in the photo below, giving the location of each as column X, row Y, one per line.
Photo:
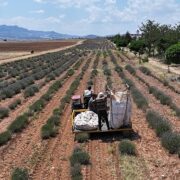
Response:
column 39, row 52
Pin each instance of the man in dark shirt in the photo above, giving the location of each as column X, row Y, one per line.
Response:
column 92, row 103
column 101, row 107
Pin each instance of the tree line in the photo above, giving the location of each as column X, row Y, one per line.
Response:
column 154, row 40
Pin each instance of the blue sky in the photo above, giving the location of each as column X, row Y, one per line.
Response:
column 81, row 17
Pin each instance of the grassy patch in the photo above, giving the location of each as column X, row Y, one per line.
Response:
column 133, row 167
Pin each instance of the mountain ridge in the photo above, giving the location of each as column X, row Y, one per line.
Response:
column 14, row 32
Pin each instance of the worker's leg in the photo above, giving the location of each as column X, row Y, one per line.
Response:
column 99, row 121
column 106, row 119
column 85, row 103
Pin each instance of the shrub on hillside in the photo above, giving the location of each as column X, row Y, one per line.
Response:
column 176, row 109
column 48, row 130
column 50, row 77
column 14, row 104
column 76, row 172
column 70, row 72
column 31, row 90
column 47, row 97
column 79, row 157
column 20, row 174
column 7, row 93
column 145, row 70
column 157, row 122
column 55, row 87
column 4, row 112
column 57, row 112
column 54, row 119
column 107, row 72
column 5, row 137
column 18, row 124
column 171, row 141
column 165, row 82
column 37, row 106
column 164, row 99
column 129, row 82
column 127, row 147
column 139, row 99
column 129, row 68
column 118, row 69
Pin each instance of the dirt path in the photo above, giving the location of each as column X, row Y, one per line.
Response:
column 159, row 65
column 26, row 148
column 39, row 53
column 161, row 165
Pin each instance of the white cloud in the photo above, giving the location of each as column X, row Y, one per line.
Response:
column 39, row 1
column 105, row 11
column 39, row 11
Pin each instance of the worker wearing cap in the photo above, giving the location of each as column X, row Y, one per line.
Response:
column 101, row 107
column 87, row 96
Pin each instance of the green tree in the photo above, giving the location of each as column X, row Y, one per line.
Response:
column 138, row 46
column 173, row 54
column 150, row 34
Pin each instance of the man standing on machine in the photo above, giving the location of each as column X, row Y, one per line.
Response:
column 101, row 105
column 87, row 96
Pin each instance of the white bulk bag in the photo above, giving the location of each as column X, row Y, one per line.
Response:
column 120, row 110
column 86, row 121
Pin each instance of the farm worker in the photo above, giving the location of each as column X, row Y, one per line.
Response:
column 101, row 105
column 92, row 103
column 87, row 96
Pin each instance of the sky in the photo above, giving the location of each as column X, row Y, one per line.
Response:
column 82, row 17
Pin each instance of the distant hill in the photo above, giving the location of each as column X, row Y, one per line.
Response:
column 19, row 33
column 91, row 36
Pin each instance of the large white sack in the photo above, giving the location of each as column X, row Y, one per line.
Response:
column 87, row 120
column 119, row 115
